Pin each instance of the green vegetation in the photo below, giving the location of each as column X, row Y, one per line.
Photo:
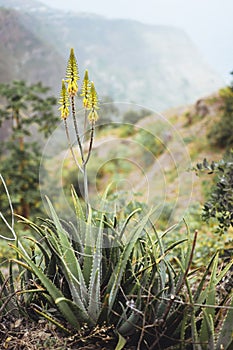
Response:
column 109, row 273
column 135, row 286
column 132, row 116
column 221, row 133
column 220, row 204
column 27, row 116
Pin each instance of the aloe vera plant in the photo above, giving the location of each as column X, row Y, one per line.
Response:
column 180, row 305
column 92, row 277
column 140, row 287
column 84, row 274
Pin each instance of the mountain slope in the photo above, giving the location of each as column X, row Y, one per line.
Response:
column 25, row 56
column 158, row 172
column 155, row 66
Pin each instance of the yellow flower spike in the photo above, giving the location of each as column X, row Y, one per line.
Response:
column 72, row 74
column 93, row 104
column 64, row 102
column 86, row 90
column 93, row 116
column 93, row 98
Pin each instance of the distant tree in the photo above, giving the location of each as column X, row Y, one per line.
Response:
column 28, row 110
column 221, row 133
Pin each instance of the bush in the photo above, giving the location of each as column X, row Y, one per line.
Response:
column 220, row 203
column 221, row 133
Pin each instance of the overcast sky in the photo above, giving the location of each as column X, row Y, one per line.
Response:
column 208, row 22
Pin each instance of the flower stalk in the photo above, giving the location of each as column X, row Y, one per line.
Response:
column 90, row 104
column 86, row 86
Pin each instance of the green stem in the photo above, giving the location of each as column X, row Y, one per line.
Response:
column 70, row 146
column 76, row 128
column 91, row 142
column 86, row 193
column 84, row 168
column 85, row 125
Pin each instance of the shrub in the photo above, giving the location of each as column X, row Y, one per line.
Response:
column 221, row 132
column 29, row 111
column 220, row 203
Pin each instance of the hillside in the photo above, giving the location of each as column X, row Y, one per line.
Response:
column 25, row 56
column 148, row 161
column 153, row 163
column 155, row 66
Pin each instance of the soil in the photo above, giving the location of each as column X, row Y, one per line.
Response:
column 23, row 334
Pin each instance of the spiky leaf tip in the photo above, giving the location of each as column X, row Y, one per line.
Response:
column 64, row 101
column 72, row 74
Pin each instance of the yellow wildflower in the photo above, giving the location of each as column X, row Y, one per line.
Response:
column 93, row 116
column 93, row 104
column 64, row 102
column 72, row 74
column 86, row 90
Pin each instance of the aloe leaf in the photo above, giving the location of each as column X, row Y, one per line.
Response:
column 78, row 207
column 51, row 319
column 224, row 272
column 121, row 342
column 195, row 339
column 210, row 300
column 95, row 284
column 171, row 283
column 52, row 290
column 110, row 263
column 68, row 258
column 77, row 288
column 80, row 216
column 94, row 296
column 129, row 324
column 42, row 249
column 75, row 292
column 79, row 294
column 175, row 244
column 88, row 249
column 208, row 343
column 184, row 264
column 162, row 266
column 115, row 280
column 114, row 238
column 183, row 329
column 200, row 295
column 159, row 237
column 124, row 226
column 225, row 339
column 75, row 236
column 167, row 251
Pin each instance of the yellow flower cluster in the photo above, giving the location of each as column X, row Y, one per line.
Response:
column 90, row 98
column 86, row 90
column 64, row 102
column 72, row 74
column 93, row 104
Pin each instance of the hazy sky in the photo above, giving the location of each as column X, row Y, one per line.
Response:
column 208, row 22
